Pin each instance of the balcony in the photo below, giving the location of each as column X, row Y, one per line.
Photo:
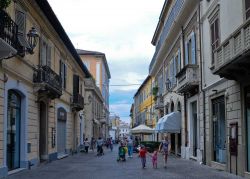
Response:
column 47, row 82
column 8, row 36
column 77, row 102
column 231, row 58
column 188, row 78
column 159, row 102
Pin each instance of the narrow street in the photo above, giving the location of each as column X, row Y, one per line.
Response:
column 90, row 166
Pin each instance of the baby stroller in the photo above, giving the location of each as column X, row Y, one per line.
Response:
column 121, row 154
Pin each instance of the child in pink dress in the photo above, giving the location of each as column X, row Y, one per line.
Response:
column 154, row 158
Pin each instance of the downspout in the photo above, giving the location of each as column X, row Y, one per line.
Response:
column 202, row 90
column 185, row 98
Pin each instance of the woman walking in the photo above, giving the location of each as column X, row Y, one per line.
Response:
column 86, row 145
column 164, row 147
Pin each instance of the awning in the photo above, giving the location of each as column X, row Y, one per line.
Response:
column 170, row 123
column 142, row 129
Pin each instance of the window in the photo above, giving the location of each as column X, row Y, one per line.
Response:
column 190, row 50
column 45, row 53
column 21, row 23
column 178, row 61
column 63, row 73
column 247, row 8
column 215, row 38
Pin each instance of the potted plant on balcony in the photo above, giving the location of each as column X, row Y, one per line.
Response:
column 155, row 91
column 4, row 4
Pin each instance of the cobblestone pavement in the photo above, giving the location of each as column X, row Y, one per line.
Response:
column 89, row 166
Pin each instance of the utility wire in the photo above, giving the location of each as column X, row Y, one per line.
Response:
column 120, row 85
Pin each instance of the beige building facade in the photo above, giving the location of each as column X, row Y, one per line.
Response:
column 201, row 68
column 93, row 111
column 97, row 65
column 41, row 89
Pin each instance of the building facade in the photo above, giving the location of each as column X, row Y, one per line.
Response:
column 143, row 112
column 41, row 88
column 93, row 113
column 225, row 49
column 200, row 68
column 114, row 129
column 97, row 65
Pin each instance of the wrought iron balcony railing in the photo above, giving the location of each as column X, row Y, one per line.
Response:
column 77, row 102
column 48, row 82
column 176, row 9
column 8, row 31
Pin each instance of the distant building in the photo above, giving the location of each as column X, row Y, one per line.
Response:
column 124, row 130
column 98, row 67
column 114, row 121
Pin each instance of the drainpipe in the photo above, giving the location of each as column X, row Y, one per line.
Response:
column 185, row 97
column 202, row 90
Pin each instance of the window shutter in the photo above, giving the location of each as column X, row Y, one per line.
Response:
column 49, row 55
column 186, row 53
column 44, row 53
column 65, row 75
column 75, row 84
column 40, row 51
column 20, row 21
column 174, row 70
column 179, row 60
column 193, row 43
column 61, row 73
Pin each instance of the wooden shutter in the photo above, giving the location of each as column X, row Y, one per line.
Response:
column 48, row 55
column 186, row 53
column 174, row 69
column 61, row 72
column 193, row 45
column 20, row 21
column 75, row 84
column 179, row 60
column 65, row 75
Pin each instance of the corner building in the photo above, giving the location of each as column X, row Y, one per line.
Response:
column 41, row 91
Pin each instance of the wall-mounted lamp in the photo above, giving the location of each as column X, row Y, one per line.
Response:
column 33, row 37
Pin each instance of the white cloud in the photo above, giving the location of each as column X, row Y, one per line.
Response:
column 121, row 29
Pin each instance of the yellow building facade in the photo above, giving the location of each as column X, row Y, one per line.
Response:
column 144, row 104
column 41, row 90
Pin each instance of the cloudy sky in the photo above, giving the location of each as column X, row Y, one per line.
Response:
column 123, row 30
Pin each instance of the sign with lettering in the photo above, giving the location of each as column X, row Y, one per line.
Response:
column 61, row 114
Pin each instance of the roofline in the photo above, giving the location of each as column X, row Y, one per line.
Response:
column 49, row 13
column 163, row 10
column 144, row 82
column 81, row 52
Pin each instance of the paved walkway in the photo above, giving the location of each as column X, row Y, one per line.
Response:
column 89, row 166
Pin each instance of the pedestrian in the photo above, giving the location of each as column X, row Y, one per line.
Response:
column 130, row 147
column 99, row 144
column 86, row 145
column 92, row 143
column 164, row 147
column 142, row 155
column 111, row 144
column 154, row 158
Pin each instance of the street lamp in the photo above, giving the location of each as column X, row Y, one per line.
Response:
column 33, row 37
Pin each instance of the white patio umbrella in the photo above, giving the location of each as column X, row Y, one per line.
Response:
column 142, row 129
